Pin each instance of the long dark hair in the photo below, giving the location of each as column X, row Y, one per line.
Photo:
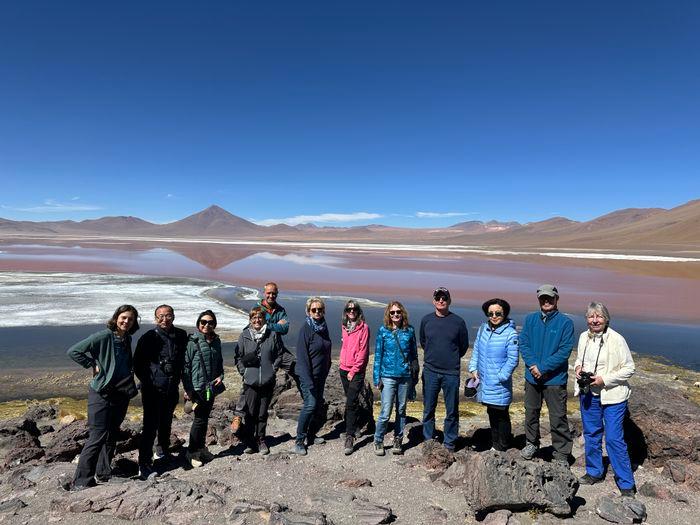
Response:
column 112, row 323
column 359, row 314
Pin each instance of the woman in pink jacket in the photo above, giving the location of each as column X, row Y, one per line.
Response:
column 354, row 354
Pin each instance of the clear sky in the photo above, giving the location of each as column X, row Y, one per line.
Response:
column 405, row 113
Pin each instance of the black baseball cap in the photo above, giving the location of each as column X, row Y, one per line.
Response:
column 441, row 291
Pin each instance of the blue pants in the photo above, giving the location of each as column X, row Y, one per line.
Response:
column 311, row 411
column 596, row 419
column 394, row 392
column 433, row 382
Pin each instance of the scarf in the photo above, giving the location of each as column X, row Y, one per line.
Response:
column 351, row 326
column 258, row 334
column 318, row 326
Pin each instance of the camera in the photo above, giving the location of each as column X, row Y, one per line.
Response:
column 584, row 381
column 167, row 366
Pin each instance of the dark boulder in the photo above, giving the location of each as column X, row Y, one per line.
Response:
column 494, row 480
column 621, row 510
column 67, row 441
column 19, row 448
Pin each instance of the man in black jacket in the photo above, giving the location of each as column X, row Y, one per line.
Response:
column 158, row 362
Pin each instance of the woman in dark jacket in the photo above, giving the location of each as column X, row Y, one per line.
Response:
column 258, row 356
column 202, row 377
column 313, row 365
column 108, row 353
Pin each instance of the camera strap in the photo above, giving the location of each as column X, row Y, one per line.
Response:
column 600, row 347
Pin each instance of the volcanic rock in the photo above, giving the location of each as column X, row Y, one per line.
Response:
column 621, row 510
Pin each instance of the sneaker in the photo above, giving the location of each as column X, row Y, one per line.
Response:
column 102, row 479
column 299, row 449
column 349, row 445
column 195, row 462
column 378, row 449
column 236, row 424
column 397, row 449
column 146, row 472
column 249, row 449
column 316, row 440
column 587, row 479
column 529, row 451
column 262, row 447
column 628, row 493
column 206, row 456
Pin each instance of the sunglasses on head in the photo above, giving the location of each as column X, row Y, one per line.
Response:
column 316, row 310
column 494, row 314
column 205, row 322
column 395, row 312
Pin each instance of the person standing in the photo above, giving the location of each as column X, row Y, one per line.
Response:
column 493, row 362
column 395, row 350
column 603, row 366
column 275, row 320
column 546, row 342
column 202, row 378
column 258, row 356
column 108, row 353
column 354, row 355
column 445, row 340
column 313, row 364
column 158, row 363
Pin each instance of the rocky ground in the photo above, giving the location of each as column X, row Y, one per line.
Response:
column 425, row 485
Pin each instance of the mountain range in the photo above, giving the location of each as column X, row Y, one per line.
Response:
column 638, row 229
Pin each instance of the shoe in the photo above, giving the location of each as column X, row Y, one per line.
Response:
column 315, row 440
column 349, row 445
column 206, row 456
column 529, row 451
column 236, row 424
column 262, row 447
column 397, row 449
column 378, row 449
column 249, row 449
column 71, row 487
column 195, row 462
column 299, row 449
column 147, row 472
column 102, row 479
column 587, row 479
column 628, row 493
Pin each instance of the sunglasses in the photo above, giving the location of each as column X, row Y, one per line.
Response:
column 494, row 314
column 441, row 298
column 395, row 312
column 205, row 322
column 316, row 310
column 351, row 309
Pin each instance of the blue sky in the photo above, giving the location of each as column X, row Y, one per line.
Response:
column 405, row 113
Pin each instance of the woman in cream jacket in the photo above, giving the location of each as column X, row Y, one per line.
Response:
column 603, row 366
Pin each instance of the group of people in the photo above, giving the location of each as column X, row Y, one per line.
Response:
column 166, row 356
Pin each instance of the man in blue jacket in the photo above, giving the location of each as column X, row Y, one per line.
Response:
column 546, row 342
column 445, row 340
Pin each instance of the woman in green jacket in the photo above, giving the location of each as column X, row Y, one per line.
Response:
column 108, row 353
column 202, row 377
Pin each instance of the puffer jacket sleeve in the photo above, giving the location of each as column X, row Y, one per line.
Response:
column 378, row 356
column 511, row 361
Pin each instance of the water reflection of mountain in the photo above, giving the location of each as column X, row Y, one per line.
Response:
column 213, row 256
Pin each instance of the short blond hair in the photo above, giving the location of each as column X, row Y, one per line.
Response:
column 312, row 300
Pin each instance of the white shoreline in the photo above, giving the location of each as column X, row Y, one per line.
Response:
column 376, row 247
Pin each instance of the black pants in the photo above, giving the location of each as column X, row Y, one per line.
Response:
column 288, row 364
column 158, row 409
column 501, row 432
column 198, row 432
column 352, row 395
column 105, row 415
column 555, row 396
column 257, row 401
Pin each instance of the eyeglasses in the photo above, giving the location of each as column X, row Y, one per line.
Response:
column 395, row 312
column 494, row 314
column 165, row 316
column 261, row 317
column 316, row 310
column 205, row 322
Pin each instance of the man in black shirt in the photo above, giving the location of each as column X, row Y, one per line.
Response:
column 158, row 362
column 445, row 340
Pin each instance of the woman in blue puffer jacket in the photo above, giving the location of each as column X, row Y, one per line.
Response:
column 493, row 361
column 394, row 350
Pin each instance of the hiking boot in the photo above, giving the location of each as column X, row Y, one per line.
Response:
column 236, row 424
column 349, row 445
column 587, row 479
column 378, row 449
column 397, row 449
column 628, row 493
column 299, row 449
column 262, row 447
column 529, row 451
